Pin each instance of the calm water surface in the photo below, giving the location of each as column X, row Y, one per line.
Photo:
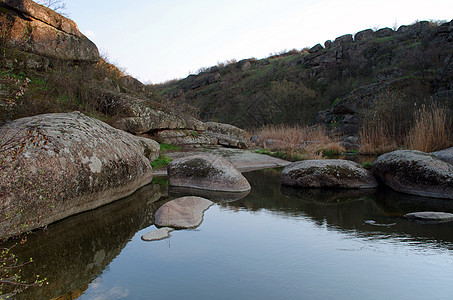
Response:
column 276, row 243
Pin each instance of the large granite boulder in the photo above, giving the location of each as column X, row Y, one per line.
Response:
column 227, row 135
column 185, row 212
column 57, row 165
column 36, row 29
column 329, row 173
column 445, row 155
column 416, row 173
column 207, row 172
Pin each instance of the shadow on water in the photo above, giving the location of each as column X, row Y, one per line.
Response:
column 73, row 252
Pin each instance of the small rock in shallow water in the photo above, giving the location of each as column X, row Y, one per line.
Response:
column 158, row 234
column 185, row 212
column 430, row 216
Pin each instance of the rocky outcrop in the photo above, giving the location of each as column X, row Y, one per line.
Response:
column 416, row 173
column 227, row 135
column 331, row 173
column 185, row 137
column 185, row 212
column 139, row 116
column 35, row 29
column 207, row 172
column 57, row 165
column 347, row 114
column 349, row 74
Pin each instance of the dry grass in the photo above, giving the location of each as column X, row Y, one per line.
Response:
column 296, row 141
column 376, row 138
column 432, row 130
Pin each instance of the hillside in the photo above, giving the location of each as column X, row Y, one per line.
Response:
column 336, row 84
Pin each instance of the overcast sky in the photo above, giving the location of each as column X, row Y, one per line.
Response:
column 159, row 40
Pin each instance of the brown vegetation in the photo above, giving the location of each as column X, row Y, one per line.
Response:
column 298, row 142
column 427, row 129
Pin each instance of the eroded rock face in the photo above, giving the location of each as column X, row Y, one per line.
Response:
column 39, row 30
column 207, row 172
column 63, row 164
column 227, row 135
column 416, row 173
column 329, row 173
column 185, row 212
column 142, row 117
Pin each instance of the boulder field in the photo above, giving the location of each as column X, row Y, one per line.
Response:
column 57, row 165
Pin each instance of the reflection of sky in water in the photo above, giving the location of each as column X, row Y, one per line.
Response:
column 261, row 255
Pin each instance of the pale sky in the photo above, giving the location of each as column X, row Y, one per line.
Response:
column 159, row 40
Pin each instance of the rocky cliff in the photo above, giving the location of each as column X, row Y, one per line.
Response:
column 344, row 79
column 39, row 31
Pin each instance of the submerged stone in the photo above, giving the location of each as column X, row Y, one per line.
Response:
column 431, row 216
column 158, row 234
column 185, row 212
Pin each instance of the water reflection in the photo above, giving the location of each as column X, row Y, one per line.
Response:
column 216, row 196
column 366, row 213
column 74, row 251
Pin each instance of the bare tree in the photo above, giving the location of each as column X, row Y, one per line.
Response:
column 58, row 6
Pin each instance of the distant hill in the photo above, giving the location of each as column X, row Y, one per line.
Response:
column 336, row 84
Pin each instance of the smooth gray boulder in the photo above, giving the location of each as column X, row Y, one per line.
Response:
column 57, row 165
column 327, row 173
column 430, row 216
column 185, row 212
column 157, row 234
column 207, row 172
column 446, row 155
column 415, row 172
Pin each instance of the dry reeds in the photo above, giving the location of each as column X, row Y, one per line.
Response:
column 297, row 141
column 376, row 137
column 431, row 131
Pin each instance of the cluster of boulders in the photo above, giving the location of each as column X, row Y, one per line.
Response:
column 406, row 171
column 206, row 174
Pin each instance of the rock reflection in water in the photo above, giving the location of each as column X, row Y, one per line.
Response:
column 353, row 211
column 216, row 196
column 74, row 251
